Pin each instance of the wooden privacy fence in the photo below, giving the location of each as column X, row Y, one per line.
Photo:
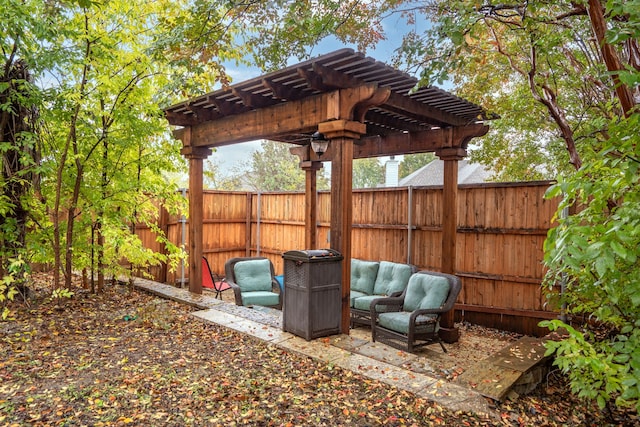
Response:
column 501, row 230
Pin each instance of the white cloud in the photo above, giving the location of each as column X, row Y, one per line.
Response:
column 233, row 156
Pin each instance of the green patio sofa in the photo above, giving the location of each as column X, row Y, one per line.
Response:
column 375, row 279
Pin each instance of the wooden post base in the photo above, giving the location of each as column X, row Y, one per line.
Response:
column 449, row 335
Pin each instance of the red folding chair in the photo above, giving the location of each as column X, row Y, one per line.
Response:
column 212, row 281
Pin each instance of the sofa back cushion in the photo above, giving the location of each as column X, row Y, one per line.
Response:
column 425, row 291
column 363, row 275
column 392, row 277
column 253, row 275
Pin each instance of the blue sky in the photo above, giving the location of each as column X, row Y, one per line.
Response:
column 232, row 156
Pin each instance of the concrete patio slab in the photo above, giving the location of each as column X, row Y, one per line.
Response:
column 264, row 332
column 315, row 349
column 386, row 354
column 347, row 342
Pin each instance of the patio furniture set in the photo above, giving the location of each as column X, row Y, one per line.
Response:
column 402, row 306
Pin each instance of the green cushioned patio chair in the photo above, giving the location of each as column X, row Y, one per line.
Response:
column 412, row 319
column 253, row 281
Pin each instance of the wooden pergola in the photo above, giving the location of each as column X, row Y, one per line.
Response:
column 363, row 107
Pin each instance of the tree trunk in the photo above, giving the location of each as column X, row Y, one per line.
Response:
column 71, row 137
column 17, row 161
column 103, row 192
column 68, row 267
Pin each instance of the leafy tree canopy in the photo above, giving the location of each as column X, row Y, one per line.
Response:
column 216, row 179
column 367, row 173
column 274, row 168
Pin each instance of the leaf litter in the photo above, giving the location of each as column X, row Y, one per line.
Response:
column 130, row 359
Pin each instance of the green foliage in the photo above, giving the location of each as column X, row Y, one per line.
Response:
column 285, row 29
column 98, row 85
column 367, row 173
column 195, row 39
column 526, row 64
column 412, row 162
column 597, row 250
column 600, row 369
column 215, row 179
column 16, row 273
column 19, row 151
column 274, row 168
column 61, row 293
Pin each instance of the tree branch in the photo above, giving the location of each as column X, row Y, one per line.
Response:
column 549, row 99
column 610, row 56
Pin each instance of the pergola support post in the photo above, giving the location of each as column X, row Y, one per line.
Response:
column 311, row 203
column 448, row 332
column 341, row 133
column 195, row 155
column 342, row 217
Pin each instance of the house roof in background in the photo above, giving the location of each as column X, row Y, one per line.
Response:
column 432, row 174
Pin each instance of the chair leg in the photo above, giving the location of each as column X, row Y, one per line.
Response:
column 442, row 345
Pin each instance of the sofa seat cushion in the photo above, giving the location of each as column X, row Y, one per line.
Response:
column 392, row 277
column 353, row 295
column 364, row 302
column 399, row 321
column 425, row 291
column 263, row 298
column 363, row 275
column 253, row 275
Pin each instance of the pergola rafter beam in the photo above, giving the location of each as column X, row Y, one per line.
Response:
column 315, row 80
column 411, row 108
column 336, row 79
column 253, row 101
column 281, row 91
column 225, row 107
column 388, row 120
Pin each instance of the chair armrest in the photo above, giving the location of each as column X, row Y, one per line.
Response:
column 389, row 304
column 388, row 301
column 237, row 293
column 425, row 311
column 276, row 285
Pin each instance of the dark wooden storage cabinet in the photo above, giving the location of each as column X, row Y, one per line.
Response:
column 312, row 293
